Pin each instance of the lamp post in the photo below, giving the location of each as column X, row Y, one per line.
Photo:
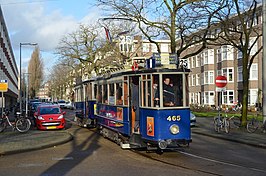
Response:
column 20, row 96
column 27, row 90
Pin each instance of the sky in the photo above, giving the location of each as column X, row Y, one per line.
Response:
column 44, row 22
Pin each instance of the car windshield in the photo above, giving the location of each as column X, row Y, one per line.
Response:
column 49, row 110
column 61, row 101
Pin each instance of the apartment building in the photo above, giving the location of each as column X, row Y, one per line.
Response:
column 8, row 66
column 205, row 67
column 227, row 61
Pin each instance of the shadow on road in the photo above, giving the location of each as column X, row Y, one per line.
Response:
column 89, row 146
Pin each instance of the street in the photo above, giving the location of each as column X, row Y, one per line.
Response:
column 91, row 154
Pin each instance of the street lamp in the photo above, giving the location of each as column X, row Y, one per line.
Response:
column 27, row 90
column 20, row 96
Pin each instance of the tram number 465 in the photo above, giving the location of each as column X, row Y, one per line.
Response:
column 173, row 118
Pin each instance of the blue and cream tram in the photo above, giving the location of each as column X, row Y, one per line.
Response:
column 144, row 108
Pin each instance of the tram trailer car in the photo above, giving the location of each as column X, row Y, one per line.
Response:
column 139, row 109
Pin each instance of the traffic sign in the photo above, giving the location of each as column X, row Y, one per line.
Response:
column 3, row 86
column 221, row 81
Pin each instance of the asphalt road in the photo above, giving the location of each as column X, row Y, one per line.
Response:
column 91, row 154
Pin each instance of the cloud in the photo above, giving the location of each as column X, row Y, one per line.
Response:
column 33, row 24
column 37, row 23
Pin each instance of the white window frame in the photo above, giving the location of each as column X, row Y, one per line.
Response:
column 226, row 97
column 209, row 77
column 253, row 96
column 197, row 79
column 253, row 72
column 197, row 61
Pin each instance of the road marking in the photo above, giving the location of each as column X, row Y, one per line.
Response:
column 221, row 162
column 31, row 165
column 60, row 159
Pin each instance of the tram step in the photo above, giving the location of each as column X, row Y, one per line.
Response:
column 125, row 146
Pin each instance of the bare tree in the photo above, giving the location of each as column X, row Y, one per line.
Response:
column 86, row 49
column 177, row 20
column 60, row 79
column 240, row 29
column 35, row 70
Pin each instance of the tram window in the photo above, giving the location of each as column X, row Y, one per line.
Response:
column 105, row 100
column 144, row 94
column 187, row 91
column 95, row 91
column 172, row 90
column 89, row 91
column 99, row 94
column 155, row 89
column 125, row 93
column 119, row 92
column 112, row 93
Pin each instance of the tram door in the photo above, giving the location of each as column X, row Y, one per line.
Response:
column 134, row 104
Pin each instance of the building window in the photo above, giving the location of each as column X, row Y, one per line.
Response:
column 224, row 52
column 219, row 55
column 153, row 48
column 253, row 96
column 254, row 48
column 193, row 80
column 206, row 78
column 193, row 62
column 197, row 61
column 146, row 47
column 197, row 80
column 239, row 74
column 225, row 97
column 206, row 57
column 239, row 54
column 209, row 77
column 206, row 98
column 230, row 75
column 209, row 98
column 254, row 72
column 164, row 48
column 228, row 97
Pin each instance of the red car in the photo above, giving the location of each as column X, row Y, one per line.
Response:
column 50, row 117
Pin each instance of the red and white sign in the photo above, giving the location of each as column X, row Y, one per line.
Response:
column 220, row 81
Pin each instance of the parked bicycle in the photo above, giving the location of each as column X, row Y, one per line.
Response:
column 254, row 124
column 234, row 122
column 221, row 123
column 20, row 124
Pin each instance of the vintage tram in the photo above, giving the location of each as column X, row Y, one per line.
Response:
column 146, row 108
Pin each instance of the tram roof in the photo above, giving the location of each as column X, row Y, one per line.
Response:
column 136, row 72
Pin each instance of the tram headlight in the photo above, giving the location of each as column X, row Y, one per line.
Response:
column 174, row 129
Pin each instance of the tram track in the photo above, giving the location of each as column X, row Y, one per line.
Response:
column 201, row 158
column 175, row 165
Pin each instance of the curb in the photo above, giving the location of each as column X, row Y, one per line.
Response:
column 41, row 146
column 230, row 139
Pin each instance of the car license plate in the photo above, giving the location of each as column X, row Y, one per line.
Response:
column 51, row 127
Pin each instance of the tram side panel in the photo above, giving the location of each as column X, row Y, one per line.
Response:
column 114, row 118
column 80, row 109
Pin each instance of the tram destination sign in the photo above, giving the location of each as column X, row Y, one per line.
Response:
column 3, row 85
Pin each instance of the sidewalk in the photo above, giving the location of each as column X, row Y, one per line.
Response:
column 204, row 126
column 15, row 142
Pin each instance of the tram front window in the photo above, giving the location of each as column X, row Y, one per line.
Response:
column 168, row 93
column 172, row 90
